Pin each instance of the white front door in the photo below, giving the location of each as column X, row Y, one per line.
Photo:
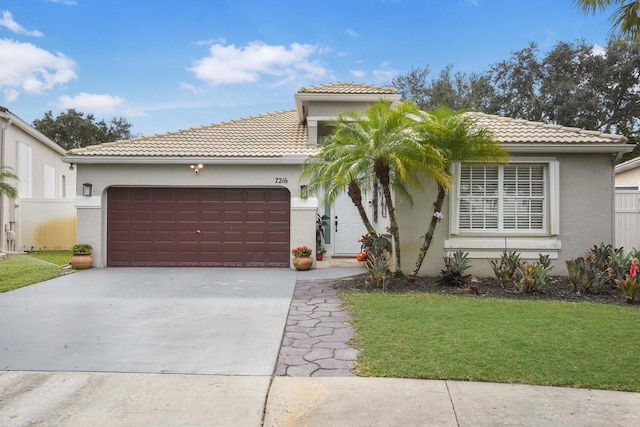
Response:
column 346, row 226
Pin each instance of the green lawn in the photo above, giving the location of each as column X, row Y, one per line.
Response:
column 420, row 335
column 22, row 270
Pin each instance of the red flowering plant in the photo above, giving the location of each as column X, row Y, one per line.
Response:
column 301, row 251
column 629, row 285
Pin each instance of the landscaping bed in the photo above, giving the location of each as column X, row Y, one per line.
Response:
column 560, row 289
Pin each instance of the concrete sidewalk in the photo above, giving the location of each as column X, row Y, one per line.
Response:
column 115, row 399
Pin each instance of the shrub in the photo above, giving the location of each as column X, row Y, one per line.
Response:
column 599, row 270
column 506, row 268
column 455, row 266
column 534, row 277
column 629, row 285
column 376, row 262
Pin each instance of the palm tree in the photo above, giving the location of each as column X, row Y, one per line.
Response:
column 626, row 17
column 457, row 135
column 8, row 190
column 383, row 145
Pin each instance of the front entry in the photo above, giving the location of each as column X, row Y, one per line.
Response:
column 346, row 226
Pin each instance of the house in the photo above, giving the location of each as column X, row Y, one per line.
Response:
column 43, row 216
column 228, row 194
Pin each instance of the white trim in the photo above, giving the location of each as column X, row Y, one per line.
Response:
column 493, row 247
column 83, row 202
column 280, row 160
column 568, row 148
column 299, row 203
column 552, row 200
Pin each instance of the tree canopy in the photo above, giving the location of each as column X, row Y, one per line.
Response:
column 574, row 84
column 72, row 129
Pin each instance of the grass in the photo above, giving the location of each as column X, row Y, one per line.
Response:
column 23, row 270
column 419, row 335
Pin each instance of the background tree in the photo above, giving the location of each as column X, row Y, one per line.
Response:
column 72, row 129
column 5, row 188
column 574, row 84
column 626, row 18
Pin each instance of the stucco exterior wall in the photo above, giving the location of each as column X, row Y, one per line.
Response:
column 38, row 228
column 92, row 211
column 586, row 205
column 629, row 178
column 331, row 108
column 587, row 200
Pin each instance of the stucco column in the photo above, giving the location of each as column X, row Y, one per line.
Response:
column 303, row 223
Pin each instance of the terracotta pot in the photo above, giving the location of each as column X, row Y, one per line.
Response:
column 303, row 263
column 81, row 261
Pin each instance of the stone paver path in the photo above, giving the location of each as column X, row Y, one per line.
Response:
column 315, row 342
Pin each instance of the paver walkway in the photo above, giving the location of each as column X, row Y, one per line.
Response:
column 317, row 333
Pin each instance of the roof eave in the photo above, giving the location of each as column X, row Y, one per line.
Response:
column 541, row 148
column 144, row 160
column 24, row 126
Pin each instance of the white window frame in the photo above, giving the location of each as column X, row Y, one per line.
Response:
column 490, row 243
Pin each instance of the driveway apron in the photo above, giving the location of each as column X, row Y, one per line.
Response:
column 223, row 321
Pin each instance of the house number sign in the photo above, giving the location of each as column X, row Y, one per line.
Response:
column 282, row 180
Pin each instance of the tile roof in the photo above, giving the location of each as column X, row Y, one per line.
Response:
column 514, row 131
column 281, row 134
column 267, row 135
column 348, row 88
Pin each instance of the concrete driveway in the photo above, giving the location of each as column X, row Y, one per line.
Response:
column 148, row 320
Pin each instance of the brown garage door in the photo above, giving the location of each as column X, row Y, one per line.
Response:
column 231, row 227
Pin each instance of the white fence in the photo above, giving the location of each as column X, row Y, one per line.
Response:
column 627, row 219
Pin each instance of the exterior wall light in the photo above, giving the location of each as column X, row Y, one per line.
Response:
column 87, row 189
column 196, row 168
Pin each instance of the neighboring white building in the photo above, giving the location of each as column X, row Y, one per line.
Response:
column 43, row 216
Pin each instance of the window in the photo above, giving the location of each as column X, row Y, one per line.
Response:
column 24, row 171
column 63, row 186
column 49, row 188
column 515, row 198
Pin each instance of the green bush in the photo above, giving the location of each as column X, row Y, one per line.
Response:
column 506, row 268
column 455, row 266
column 599, row 269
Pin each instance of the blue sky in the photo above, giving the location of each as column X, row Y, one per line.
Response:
column 173, row 64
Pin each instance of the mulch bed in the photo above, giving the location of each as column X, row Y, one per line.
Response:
column 560, row 289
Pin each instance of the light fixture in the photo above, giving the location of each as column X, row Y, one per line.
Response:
column 71, row 167
column 196, row 168
column 87, row 189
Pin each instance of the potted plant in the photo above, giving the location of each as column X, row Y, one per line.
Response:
column 302, row 257
column 81, row 258
column 320, row 253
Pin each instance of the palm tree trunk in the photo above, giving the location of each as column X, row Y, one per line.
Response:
column 428, row 237
column 355, row 194
column 393, row 226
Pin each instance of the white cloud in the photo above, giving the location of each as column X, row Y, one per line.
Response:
column 99, row 104
column 359, row 74
column 191, row 88
column 351, row 33
column 258, row 60
column 208, row 42
column 384, row 75
column 597, row 50
column 67, row 2
column 6, row 20
column 91, row 102
column 27, row 68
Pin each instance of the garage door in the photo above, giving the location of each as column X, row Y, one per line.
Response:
column 230, row 227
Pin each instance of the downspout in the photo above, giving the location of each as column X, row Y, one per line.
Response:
column 3, row 130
